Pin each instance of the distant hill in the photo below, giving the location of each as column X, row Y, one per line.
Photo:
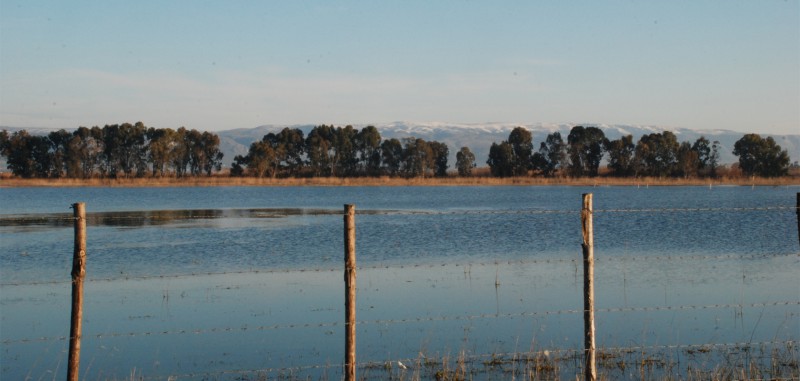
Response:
column 479, row 137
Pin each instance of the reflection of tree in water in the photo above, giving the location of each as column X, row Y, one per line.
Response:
column 155, row 217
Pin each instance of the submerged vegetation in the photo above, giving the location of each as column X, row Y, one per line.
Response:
column 136, row 151
column 703, row 362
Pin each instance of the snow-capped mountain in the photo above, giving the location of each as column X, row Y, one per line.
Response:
column 479, row 137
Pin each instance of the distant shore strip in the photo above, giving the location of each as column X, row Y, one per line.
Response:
column 226, row 181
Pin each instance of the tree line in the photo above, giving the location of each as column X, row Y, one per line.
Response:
column 330, row 151
column 117, row 150
column 655, row 155
column 134, row 150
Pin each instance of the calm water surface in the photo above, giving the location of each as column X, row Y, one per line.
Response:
column 443, row 270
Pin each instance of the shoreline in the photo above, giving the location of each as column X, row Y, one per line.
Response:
column 225, row 181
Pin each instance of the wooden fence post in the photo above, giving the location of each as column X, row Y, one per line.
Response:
column 588, row 288
column 78, row 273
column 350, row 291
column 798, row 216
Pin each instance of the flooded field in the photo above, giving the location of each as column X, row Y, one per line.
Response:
column 246, row 283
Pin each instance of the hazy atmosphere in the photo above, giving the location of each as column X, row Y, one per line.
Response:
column 221, row 65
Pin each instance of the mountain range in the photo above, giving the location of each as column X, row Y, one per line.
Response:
column 479, row 137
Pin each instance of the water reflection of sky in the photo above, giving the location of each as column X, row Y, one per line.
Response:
column 437, row 280
column 280, row 319
column 190, row 241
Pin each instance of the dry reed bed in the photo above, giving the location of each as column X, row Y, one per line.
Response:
column 220, row 181
column 745, row 362
column 713, row 363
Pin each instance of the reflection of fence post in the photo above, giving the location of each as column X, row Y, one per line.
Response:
column 350, row 292
column 78, row 273
column 588, row 288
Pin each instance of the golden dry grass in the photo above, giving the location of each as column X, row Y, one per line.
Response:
column 392, row 181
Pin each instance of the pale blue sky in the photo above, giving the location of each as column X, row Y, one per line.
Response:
column 215, row 65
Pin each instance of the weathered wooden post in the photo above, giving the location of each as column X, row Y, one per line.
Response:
column 78, row 273
column 588, row 288
column 798, row 216
column 350, row 292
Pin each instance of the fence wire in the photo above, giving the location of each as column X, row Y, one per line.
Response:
column 421, row 319
column 101, row 217
column 190, row 214
column 466, row 265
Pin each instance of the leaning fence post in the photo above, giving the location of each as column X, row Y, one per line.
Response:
column 588, row 288
column 78, row 273
column 350, row 291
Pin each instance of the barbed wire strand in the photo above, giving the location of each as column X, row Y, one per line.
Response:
column 423, row 319
column 466, row 265
column 273, row 213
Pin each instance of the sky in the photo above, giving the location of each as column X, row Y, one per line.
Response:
column 218, row 65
